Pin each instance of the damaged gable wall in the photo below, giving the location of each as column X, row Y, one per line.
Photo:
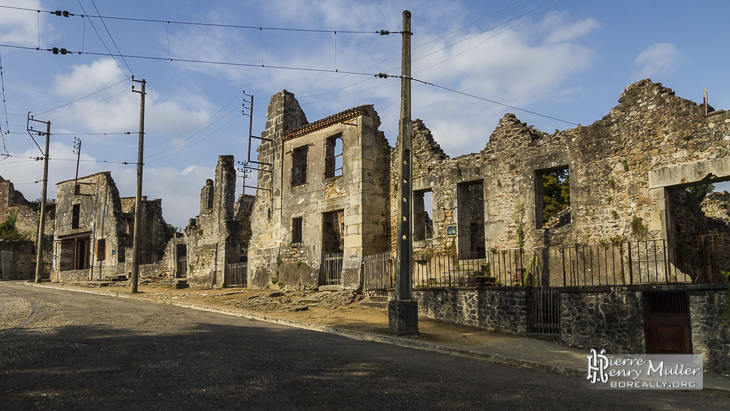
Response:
column 307, row 207
column 213, row 239
column 94, row 230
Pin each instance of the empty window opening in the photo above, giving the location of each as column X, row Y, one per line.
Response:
column 552, row 198
column 299, row 166
column 422, row 215
column 333, row 157
column 470, row 214
column 75, row 216
column 101, row 250
column 296, row 230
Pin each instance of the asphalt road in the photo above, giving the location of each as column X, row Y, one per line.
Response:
column 85, row 351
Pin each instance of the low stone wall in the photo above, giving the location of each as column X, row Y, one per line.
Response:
column 611, row 319
column 501, row 310
column 708, row 311
column 17, row 260
column 70, row 276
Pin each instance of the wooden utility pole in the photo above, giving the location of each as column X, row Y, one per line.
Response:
column 42, row 222
column 403, row 311
column 138, row 200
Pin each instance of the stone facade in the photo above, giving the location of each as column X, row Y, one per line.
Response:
column 27, row 218
column 501, row 310
column 94, row 230
column 17, row 260
column 609, row 319
column 323, row 191
column 218, row 236
column 710, row 322
column 621, row 168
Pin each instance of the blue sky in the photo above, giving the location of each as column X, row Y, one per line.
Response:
column 567, row 60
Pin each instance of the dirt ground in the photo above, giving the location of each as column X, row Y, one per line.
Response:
column 330, row 308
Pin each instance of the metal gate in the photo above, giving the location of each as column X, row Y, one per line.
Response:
column 332, row 269
column 666, row 322
column 543, row 316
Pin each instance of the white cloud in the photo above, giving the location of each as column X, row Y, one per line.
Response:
column 117, row 109
column 657, row 59
column 86, row 78
column 19, row 27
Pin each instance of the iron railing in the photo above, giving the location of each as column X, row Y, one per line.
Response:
column 236, row 274
column 703, row 259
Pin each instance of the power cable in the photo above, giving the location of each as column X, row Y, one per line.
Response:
column 89, row 106
column 152, row 156
column 491, row 101
column 199, row 125
column 111, row 37
column 102, row 42
column 5, row 108
column 192, row 23
column 81, row 98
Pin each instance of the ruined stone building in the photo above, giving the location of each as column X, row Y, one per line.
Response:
column 626, row 175
column 323, row 198
column 218, row 236
column 18, row 256
column 621, row 178
column 94, row 230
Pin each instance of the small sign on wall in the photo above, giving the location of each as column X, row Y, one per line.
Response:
column 451, row 230
column 114, row 252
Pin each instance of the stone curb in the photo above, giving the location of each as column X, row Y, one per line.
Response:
column 403, row 342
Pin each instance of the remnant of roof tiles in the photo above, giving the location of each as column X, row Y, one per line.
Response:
column 328, row 121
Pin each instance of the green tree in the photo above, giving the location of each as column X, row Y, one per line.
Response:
column 7, row 228
column 556, row 192
column 699, row 192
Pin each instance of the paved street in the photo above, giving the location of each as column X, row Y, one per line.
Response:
column 85, row 351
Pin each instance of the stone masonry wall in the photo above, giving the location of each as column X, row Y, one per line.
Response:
column 17, row 260
column 500, row 310
column 609, row 164
column 710, row 322
column 610, row 320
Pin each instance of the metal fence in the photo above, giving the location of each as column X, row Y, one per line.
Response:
column 236, row 274
column 332, row 269
column 703, row 259
column 512, row 267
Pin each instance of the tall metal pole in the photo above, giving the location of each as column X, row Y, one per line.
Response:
column 403, row 311
column 42, row 223
column 138, row 200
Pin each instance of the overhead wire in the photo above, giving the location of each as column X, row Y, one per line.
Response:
column 111, row 37
column 89, row 106
column 199, row 125
column 102, row 42
column 5, row 108
column 193, row 23
column 81, row 98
